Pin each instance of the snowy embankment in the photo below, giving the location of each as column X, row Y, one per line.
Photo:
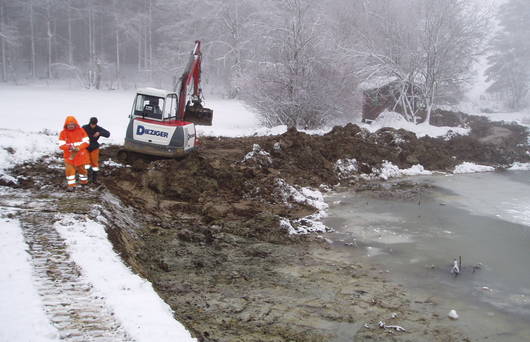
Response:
column 133, row 300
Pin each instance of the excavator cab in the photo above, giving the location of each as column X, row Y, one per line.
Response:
column 165, row 108
column 149, row 106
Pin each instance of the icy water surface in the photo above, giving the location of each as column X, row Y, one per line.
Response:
column 483, row 218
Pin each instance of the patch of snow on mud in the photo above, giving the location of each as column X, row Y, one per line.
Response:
column 301, row 195
column 467, row 167
column 307, row 196
column 519, row 167
column 416, row 170
column 112, row 163
column 389, row 170
column 256, row 151
column 21, row 313
column 397, row 121
column 18, row 147
column 136, row 305
column 346, row 168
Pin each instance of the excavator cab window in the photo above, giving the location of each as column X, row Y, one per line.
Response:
column 170, row 110
column 149, row 106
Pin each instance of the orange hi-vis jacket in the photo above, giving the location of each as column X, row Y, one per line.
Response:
column 74, row 138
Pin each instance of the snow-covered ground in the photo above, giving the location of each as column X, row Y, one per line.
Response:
column 34, row 109
column 21, row 314
column 520, row 117
column 397, row 121
column 17, row 146
column 136, row 305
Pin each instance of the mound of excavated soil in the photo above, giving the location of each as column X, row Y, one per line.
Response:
column 220, row 182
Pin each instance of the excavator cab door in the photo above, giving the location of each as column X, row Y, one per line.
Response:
column 198, row 114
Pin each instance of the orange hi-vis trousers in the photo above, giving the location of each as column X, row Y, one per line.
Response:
column 94, row 159
column 70, row 171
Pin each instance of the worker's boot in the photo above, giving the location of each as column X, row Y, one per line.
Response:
column 95, row 177
column 90, row 175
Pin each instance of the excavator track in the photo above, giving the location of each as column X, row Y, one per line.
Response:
column 130, row 157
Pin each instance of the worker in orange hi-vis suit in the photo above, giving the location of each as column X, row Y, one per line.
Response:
column 74, row 141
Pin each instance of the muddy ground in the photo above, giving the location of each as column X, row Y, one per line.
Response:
column 205, row 231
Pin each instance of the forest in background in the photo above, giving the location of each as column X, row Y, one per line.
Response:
column 298, row 62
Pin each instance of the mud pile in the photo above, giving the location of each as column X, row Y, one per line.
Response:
column 235, row 180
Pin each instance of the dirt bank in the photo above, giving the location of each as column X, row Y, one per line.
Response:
column 206, row 231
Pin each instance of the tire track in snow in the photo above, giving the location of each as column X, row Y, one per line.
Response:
column 69, row 300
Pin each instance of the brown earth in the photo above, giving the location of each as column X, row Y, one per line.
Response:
column 205, row 231
column 215, row 184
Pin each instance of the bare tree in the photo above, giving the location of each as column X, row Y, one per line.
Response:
column 429, row 57
column 297, row 61
column 49, row 38
column 5, row 37
column 233, row 37
column 32, row 38
column 453, row 33
column 286, row 87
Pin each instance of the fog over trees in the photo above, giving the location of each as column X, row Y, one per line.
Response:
column 509, row 59
column 298, row 62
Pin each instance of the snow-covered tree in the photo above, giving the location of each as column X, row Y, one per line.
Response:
column 509, row 69
column 294, row 83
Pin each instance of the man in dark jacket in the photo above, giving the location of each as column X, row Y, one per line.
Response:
column 94, row 132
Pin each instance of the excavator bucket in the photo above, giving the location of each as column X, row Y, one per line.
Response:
column 199, row 115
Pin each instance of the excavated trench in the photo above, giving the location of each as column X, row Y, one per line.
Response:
column 205, row 231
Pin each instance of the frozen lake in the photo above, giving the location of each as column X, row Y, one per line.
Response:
column 483, row 218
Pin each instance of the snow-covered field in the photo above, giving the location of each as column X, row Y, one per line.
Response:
column 34, row 109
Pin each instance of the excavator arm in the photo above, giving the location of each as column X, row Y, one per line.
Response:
column 191, row 109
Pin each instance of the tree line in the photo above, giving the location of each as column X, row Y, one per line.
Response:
column 298, row 62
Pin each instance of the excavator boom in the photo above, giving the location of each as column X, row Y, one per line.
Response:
column 191, row 110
